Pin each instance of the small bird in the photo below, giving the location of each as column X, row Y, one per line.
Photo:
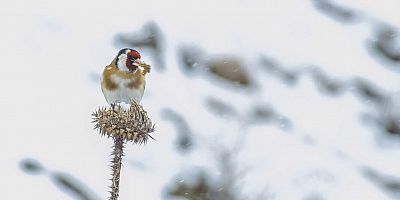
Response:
column 124, row 79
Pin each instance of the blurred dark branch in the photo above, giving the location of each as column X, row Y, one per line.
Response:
column 273, row 67
column 200, row 190
column 369, row 91
column 327, row 84
column 220, row 108
column 227, row 68
column 72, row 186
column 386, row 119
column 365, row 90
column 389, row 184
column 266, row 114
column 230, row 69
column 387, row 116
column 32, row 166
column 189, row 58
column 149, row 38
column 227, row 187
column 337, row 12
column 203, row 186
column 65, row 182
column 387, row 43
column 323, row 81
column 257, row 114
column 391, row 124
column 386, row 39
column 184, row 132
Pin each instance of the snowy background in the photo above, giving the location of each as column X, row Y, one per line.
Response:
column 260, row 99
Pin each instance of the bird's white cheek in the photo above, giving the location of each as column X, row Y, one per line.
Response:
column 122, row 63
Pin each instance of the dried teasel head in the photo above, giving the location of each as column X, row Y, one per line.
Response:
column 131, row 124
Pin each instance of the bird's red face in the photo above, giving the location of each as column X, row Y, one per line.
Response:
column 133, row 60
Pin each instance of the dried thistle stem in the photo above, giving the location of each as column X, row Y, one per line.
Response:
column 118, row 152
column 122, row 125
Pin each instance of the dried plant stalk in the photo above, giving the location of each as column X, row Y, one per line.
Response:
column 122, row 125
column 118, row 151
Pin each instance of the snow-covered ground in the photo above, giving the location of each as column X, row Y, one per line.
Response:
column 53, row 51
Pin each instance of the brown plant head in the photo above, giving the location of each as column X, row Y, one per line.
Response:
column 131, row 124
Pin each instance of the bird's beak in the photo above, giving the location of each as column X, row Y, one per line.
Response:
column 138, row 63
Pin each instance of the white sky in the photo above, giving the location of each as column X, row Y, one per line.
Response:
column 49, row 48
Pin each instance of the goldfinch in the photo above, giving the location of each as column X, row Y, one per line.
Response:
column 124, row 79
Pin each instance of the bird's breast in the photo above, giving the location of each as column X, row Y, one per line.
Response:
column 131, row 83
column 125, row 90
column 120, row 86
column 113, row 79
